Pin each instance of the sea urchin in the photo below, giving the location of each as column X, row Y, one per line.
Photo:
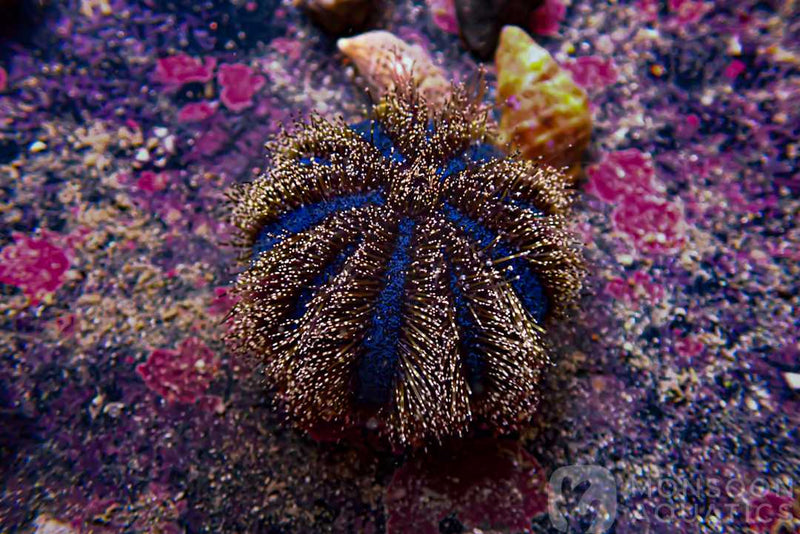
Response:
column 399, row 271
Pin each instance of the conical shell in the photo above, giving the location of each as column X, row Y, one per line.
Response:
column 545, row 115
column 383, row 59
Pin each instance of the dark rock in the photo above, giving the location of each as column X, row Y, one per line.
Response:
column 480, row 21
column 20, row 17
column 340, row 17
column 16, row 428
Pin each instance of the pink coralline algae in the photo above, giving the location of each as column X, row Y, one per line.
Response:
column 647, row 10
column 210, row 142
column 592, row 72
column 688, row 127
column 655, row 226
column 65, row 325
column 627, row 179
column 681, row 12
column 152, row 182
column 546, row 19
column 485, row 485
column 688, row 11
column 771, row 513
column 35, row 265
column 196, row 112
column 689, row 348
column 733, row 70
column 621, row 174
column 444, row 15
column 181, row 375
column 3, row 79
column 239, row 84
column 223, row 301
column 181, row 69
column 783, row 250
column 291, row 49
column 634, row 288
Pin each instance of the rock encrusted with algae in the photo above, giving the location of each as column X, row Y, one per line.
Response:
column 545, row 115
column 339, row 17
column 382, row 59
column 400, row 271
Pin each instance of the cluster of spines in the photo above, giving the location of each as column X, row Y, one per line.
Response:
column 402, row 270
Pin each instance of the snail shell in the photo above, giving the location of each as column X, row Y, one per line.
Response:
column 383, row 59
column 545, row 115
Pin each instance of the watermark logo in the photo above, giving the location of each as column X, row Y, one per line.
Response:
column 599, row 498
column 583, row 498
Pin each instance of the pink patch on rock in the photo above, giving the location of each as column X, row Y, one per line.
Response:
column 35, row 265
column 224, row 301
column 3, row 79
column 593, row 71
column 485, row 483
column 784, row 250
column 210, row 142
column 444, row 15
column 647, row 10
column 152, row 182
column 689, row 347
column 619, row 289
column 689, row 126
column 181, row 69
column 181, row 375
column 621, row 174
column 655, row 226
column 239, row 84
column 687, row 11
column 288, row 48
column 196, row 112
column 66, row 325
column 585, row 231
column 635, row 288
column 546, row 19
column 211, row 403
column 733, row 70
column 767, row 512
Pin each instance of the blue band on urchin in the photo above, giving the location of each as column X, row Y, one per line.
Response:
column 372, row 132
column 523, row 280
column 308, row 216
column 330, row 270
column 379, row 362
column 314, row 160
column 474, row 363
column 530, row 207
column 474, row 155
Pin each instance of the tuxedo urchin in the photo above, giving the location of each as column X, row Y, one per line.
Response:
column 401, row 271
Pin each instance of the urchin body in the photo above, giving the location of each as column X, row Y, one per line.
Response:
column 401, row 270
